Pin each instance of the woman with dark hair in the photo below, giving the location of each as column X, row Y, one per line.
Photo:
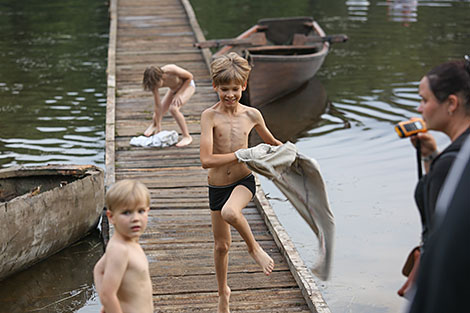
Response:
column 445, row 107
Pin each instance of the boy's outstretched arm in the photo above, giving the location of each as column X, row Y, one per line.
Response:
column 208, row 158
column 115, row 266
column 263, row 130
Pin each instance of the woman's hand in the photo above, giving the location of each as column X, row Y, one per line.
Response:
column 427, row 143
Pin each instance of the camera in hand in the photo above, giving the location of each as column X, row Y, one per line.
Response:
column 411, row 127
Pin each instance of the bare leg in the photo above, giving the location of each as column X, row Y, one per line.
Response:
column 232, row 214
column 160, row 108
column 179, row 117
column 222, row 240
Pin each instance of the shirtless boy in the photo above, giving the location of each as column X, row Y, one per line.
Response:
column 122, row 276
column 181, row 87
column 224, row 129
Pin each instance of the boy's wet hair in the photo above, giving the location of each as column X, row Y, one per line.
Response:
column 152, row 76
column 230, row 68
column 127, row 193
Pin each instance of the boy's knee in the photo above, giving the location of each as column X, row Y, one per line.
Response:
column 174, row 109
column 229, row 215
column 222, row 247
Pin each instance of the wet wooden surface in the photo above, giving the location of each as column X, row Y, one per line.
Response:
column 178, row 240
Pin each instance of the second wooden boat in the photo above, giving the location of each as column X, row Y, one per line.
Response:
column 284, row 54
column 45, row 209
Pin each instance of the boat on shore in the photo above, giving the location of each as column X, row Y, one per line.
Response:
column 284, row 53
column 44, row 209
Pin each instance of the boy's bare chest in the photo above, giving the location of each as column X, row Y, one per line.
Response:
column 231, row 134
column 226, row 128
column 172, row 81
column 138, row 264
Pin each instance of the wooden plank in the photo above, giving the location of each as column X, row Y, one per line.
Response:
column 275, row 300
column 207, row 283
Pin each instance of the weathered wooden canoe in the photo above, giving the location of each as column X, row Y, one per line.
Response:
column 293, row 51
column 45, row 209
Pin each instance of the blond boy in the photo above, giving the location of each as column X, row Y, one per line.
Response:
column 122, row 276
column 225, row 127
column 181, row 87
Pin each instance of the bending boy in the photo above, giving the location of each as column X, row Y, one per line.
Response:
column 224, row 129
column 181, row 87
column 122, row 276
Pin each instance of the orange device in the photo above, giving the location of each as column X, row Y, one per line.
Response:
column 411, row 127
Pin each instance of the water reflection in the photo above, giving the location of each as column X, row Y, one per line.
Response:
column 403, row 11
column 291, row 116
column 62, row 283
column 52, row 81
column 358, row 9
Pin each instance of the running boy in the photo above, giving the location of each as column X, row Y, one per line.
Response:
column 122, row 276
column 181, row 87
column 224, row 129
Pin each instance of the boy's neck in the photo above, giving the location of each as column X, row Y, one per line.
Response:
column 126, row 239
column 231, row 109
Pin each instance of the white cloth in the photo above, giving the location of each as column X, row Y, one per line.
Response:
column 162, row 139
column 299, row 179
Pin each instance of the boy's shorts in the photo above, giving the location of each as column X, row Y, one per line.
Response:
column 218, row 195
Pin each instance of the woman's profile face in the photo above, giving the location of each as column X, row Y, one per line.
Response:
column 434, row 113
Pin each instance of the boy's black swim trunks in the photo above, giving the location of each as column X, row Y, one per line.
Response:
column 218, row 195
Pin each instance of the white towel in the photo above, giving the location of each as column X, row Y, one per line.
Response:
column 162, row 139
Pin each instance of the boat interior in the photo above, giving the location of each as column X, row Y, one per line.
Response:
column 13, row 187
column 283, row 50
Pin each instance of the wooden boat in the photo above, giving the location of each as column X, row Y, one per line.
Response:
column 284, row 54
column 45, row 209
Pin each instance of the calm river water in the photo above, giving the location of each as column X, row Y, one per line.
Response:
column 52, row 101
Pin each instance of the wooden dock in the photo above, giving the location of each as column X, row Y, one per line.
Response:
column 178, row 240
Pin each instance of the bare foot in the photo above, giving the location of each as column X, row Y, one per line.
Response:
column 224, row 301
column 185, row 141
column 150, row 130
column 263, row 260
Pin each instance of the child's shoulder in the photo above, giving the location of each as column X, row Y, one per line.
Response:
column 210, row 110
column 171, row 68
column 168, row 66
column 251, row 111
column 248, row 108
column 117, row 246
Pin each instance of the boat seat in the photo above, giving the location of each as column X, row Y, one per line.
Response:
column 301, row 39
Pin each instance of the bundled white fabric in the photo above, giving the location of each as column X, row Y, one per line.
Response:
column 299, row 179
column 162, row 139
